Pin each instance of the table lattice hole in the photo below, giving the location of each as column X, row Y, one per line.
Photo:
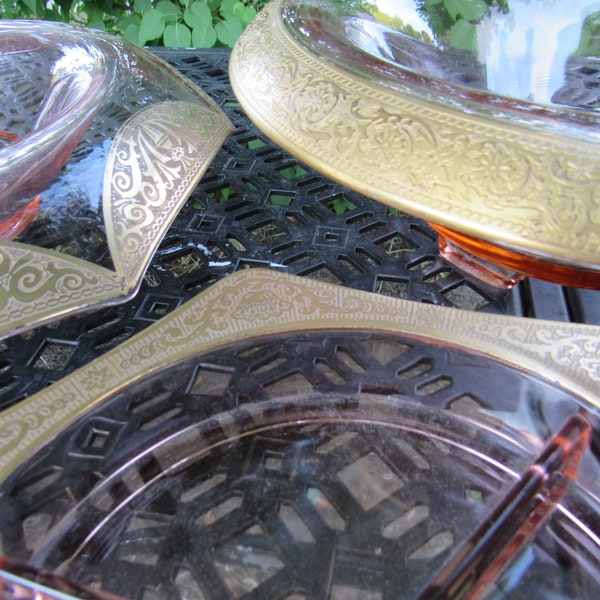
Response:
column 474, row 495
column 184, row 263
column 246, row 561
column 222, row 194
column 434, row 546
column 292, row 171
column 149, row 403
column 415, row 370
column 339, row 204
column 267, row 363
column 323, row 273
column 211, row 381
column 369, row 228
column 286, row 247
column 347, row 592
column 370, row 480
column 326, row 369
column 252, row 143
column 188, row 586
column 322, row 190
column 195, row 492
column 434, row 386
column 438, row 275
column 151, row 279
column 417, row 458
column 421, row 264
column 325, row 509
column 365, row 215
column 385, row 351
column 169, row 413
column 236, row 243
column 474, row 408
column 424, row 231
column 395, row 288
column 295, row 525
column 266, row 233
column 35, row 528
column 221, row 510
column 297, row 258
column 8, row 383
column 40, row 480
column 249, row 184
column 339, row 441
column 464, row 296
column 54, row 355
column 201, row 283
column 396, row 245
column 290, row 383
column 97, row 439
column 405, row 522
column 368, row 257
column 346, row 357
column 216, row 251
column 281, row 198
column 273, row 461
column 350, row 264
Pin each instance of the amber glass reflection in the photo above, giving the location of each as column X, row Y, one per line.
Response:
column 504, row 268
column 17, row 221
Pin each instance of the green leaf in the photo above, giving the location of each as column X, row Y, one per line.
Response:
column 198, row 15
column 204, row 36
column 152, row 26
column 31, row 5
column 177, row 36
column 244, row 14
column 470, row 10
column 129, row 19
column 226, row 8
column 463, row 35
column 228, row 31
column 142, row 6
column 132, row 33
column 97, row 24
column 170, row 10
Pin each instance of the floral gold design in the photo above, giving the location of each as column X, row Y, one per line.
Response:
column 258, row 303
column 155, row 161
column 506, row 182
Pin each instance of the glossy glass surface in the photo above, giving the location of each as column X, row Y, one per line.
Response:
column 278, row 436
column 61, row 85
column 478, row 115
column 532, row 53
column 92, row 129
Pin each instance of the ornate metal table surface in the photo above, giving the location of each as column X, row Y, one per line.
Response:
column 258, row 206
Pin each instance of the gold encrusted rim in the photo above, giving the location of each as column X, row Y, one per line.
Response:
column 566, row 237
column 39, row 285
column 258, row 303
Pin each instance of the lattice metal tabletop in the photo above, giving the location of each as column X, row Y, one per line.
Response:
column 258, row 206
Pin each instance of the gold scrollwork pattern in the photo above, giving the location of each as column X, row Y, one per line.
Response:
column 153, row 165
column 506, row 182
column 155, row 160
column 37, row 283
column 257, row 303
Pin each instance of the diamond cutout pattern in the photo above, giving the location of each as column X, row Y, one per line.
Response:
column 246, row 561
column 370, row 480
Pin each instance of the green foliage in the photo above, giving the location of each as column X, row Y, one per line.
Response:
column 454, row 21
column 170, row 23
